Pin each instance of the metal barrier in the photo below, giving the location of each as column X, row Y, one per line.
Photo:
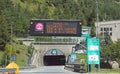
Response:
column 75, row 67
column 7, row 70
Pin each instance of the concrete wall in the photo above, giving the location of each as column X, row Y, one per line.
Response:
column 42, row 47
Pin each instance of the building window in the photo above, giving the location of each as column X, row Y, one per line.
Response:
column 104, row 29
column 110, row 33
column 101, row 29
column 104, row 33
column 107, row 29
column 110, row 29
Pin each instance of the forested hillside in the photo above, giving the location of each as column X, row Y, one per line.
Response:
column 15, row 14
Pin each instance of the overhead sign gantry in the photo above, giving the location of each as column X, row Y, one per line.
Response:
column 55, row 27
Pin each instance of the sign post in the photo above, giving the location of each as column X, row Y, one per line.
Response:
column 93, row 51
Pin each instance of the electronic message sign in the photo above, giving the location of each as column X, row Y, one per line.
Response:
column 55, row 28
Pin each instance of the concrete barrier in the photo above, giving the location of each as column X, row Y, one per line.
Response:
column 6, row 70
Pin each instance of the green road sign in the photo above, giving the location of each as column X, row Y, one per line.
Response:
column 93, row 50
column 86, row 31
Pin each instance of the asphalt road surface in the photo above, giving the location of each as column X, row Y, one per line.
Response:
column 47, row 70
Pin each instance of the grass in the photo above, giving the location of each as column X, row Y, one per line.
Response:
column 94, row 70
column 107, row 71
column 22, row 56
column 104, row 71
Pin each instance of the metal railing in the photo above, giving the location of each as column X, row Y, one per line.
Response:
column 75, row 67
column 7, row 70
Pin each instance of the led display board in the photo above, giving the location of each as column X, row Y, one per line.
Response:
column 55, row 28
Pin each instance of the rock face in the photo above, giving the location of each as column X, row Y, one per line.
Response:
column 114, row 64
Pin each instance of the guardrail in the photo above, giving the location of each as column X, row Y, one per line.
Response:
column 75, row 67
column 10, row 70
column 28, row 67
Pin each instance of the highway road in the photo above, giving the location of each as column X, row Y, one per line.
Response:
column 47, row 70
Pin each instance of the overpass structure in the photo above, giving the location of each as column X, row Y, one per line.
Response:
column 42, row 47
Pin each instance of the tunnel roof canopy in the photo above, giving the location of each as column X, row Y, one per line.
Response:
column 54, row 52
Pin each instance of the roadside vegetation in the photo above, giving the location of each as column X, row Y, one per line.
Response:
column 110, row 50
column 103, row 70
column 16, row 49
column 21, row 52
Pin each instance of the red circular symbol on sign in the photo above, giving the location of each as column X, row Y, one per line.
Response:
column 39, row 26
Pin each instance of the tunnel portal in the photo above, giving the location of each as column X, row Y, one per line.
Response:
column 54, row 57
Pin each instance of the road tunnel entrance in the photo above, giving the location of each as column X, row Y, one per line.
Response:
column 54, row 57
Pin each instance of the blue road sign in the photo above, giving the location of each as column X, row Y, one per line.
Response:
column 72, row 57
column 13, row 57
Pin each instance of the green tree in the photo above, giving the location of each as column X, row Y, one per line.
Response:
column 4, row 32
column 116, row 50
column 110, row 49
column 6, row 7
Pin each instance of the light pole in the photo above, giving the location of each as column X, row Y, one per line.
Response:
column 97, row 11
column 97, row 26
column 97, row 18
